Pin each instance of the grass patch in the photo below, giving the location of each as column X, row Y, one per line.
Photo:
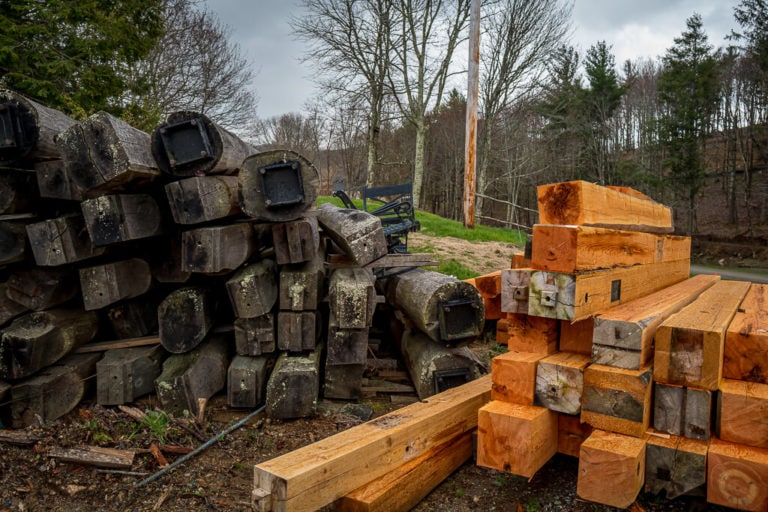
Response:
column 452, row 267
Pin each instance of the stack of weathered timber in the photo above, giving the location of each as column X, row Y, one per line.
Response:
column 205, row 261
column 615, row 338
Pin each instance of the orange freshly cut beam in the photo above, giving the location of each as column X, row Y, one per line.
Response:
column 582, row 203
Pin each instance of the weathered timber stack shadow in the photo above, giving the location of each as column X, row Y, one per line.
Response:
column 206, row 262
column 653, row 379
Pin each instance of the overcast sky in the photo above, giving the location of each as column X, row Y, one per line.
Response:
column 636, row 29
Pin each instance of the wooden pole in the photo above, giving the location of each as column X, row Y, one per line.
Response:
column 471, row 133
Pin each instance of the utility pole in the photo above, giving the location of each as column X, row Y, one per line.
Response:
column 470, row 148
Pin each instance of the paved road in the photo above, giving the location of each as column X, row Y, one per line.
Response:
column 755, row 275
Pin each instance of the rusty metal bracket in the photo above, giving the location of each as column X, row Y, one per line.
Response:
column 282, row 184
column 186, row 142
column 459, row 318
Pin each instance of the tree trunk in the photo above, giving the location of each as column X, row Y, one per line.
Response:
column 418, row 162
column 482, row 170
column 38, row 126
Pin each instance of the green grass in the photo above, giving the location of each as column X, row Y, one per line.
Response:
column 434, row 225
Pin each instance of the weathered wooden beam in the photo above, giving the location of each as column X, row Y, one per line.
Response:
column 301, row 286
column 296, row 241
column 737, row 476
column 18, row 191
column 577, row 296
column 532, row 334
column 611, row 468
column 515, row 285
column 5, row 391
column 623, row 335
column 39, row 339
column 434, row 367
column 387, row 261
column 346, row 346
column 403, row 488
column 39, row 288
column 29, row 129
column 103, row 346
column 560, row 382
column 167, row 269
column 252, row 290
column 125, row 374
column 61, row 240
column 441, row 306
column 358, row 234
column 298, row 331
column 13, row 241
column 746, row 340
column 617, row 400
column 278, row 186
column 121, row 217
column 53, row 181
column 190, row 144
column 582, row 203
column 573, row 249
column 682, row 411
column 247, row 381
column 255, row 336
column 513, row 438
column 53, row 392
column 316, row 475
column 94, row 456
column 215, row 249
column 294, row 385
column 184, row 317
column 134, row 318
column 102, row 285
column 742, row 413
column 9, row 309
column 203, row 198
column 675, row 465
column 343, row 381
column 690, row 345
column 200, row 373
column 514, row 377
column 104, row 154
column 352, row 298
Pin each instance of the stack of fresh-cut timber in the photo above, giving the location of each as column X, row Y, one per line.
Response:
column 186, row 263
column 617, row 357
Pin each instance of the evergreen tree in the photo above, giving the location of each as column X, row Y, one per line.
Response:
column 600, row 102
column 562, row 113
column 689, row 90
column 72, row 54
column 752, row 16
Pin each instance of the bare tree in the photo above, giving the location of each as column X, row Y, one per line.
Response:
column 423, row 46
column 351, row 48
column 195, row 67
column 292, row 131
column 519, row 37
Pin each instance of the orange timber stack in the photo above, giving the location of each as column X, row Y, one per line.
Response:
column 655, row 380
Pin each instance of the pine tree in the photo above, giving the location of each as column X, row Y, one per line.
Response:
column 73, row 54
column 689, row 90
column 600, row 102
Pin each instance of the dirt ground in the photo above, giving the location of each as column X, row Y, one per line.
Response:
column 220, row 478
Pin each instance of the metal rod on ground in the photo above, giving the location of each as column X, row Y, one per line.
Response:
column 202, row 447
